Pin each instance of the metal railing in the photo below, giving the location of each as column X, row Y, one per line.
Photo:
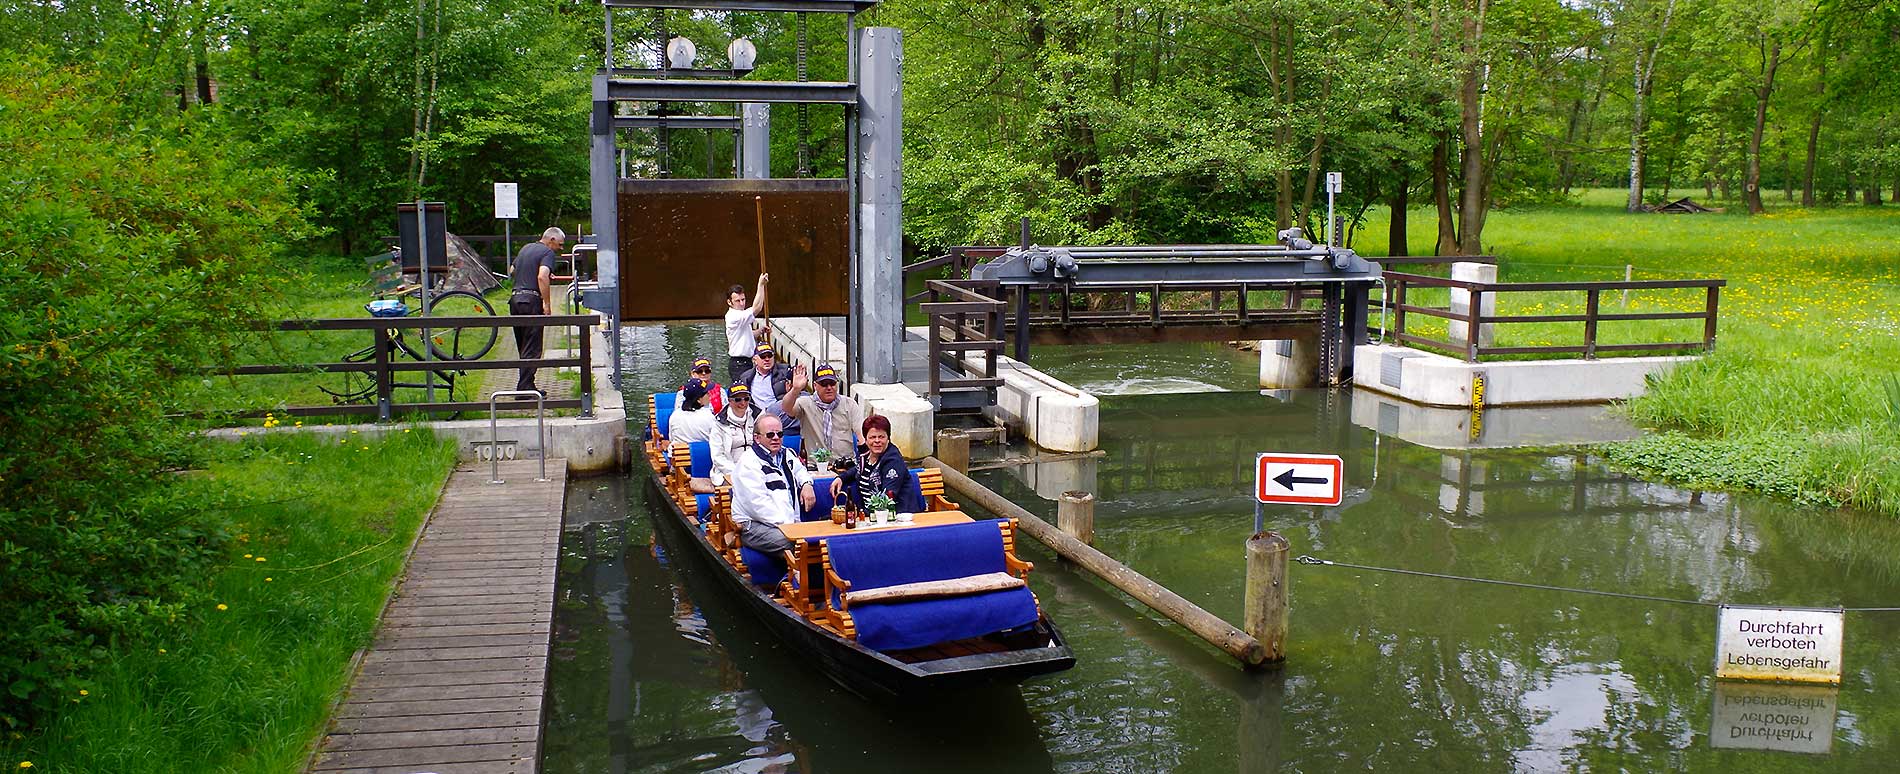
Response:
column 968, row 322
column 1397, row 298
column 383, row 366
column 540, row 432
column 959, row 259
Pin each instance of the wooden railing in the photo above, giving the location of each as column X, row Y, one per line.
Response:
column 384, row 366
column 967, row 321
column 1399, row 303
column 960, row 259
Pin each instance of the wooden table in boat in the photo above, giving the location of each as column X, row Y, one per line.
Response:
column 806, row 530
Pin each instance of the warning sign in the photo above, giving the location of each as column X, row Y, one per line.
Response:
column 1784, row 644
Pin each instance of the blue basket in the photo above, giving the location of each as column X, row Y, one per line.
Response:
column 388, row 307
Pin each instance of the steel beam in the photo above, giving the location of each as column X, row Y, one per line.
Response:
column 604, row 195
column 880, row 205
column 804, row 6
column 808, row 92
column 677, row 122
column 755, row 141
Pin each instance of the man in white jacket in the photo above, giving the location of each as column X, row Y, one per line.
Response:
column 770, row 487
column 732, row 431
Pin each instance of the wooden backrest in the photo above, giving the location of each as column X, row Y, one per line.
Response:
column 930, row 482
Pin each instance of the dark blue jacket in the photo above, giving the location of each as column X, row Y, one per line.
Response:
column 889, row 473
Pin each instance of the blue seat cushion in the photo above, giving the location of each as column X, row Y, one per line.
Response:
column 821, row 504
column 765, row 570
column 885, row 559
column 796, row 444
column 662, row 412
column 705, row 502
column 700, row 465
column 901, row 625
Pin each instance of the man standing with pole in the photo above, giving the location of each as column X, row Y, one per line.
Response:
column 533, row 275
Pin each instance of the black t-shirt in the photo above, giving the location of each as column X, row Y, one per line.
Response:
column 527, row 266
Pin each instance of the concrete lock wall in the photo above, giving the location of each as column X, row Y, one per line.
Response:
column 1044, row 409
column 1436, row 380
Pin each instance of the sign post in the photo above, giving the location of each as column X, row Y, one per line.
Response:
column 507, row 208
column 1335, row 183
column 1295, row 479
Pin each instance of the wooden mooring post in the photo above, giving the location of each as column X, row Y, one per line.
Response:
column 953, row 449
column 1075, row 515
column 1203, row 624
column 1265, row 605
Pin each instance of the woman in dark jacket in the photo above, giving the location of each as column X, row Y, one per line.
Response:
column 880, row 468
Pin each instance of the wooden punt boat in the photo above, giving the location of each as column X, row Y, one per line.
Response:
column 809, row 621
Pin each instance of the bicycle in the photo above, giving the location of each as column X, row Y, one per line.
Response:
column 451, row 343
column 360, row 387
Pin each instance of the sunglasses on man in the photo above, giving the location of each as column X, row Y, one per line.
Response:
column 773, row 434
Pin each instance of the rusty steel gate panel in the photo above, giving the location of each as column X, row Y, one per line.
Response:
column 684, row 242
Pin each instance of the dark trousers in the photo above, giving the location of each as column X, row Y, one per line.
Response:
column 527, row 337
column 737, row 367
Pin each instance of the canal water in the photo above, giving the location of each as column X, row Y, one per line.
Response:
column 657, row 670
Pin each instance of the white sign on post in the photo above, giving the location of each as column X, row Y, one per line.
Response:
column 1335, row 182
column 1783, row 644
column 507, row 201
column 1299, row 479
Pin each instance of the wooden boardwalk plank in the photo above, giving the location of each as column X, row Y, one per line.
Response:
column 434, row 722
column 455, row 679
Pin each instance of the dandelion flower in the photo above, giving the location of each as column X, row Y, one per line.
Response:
column 222, row 607
column 266, row 580
column 161, row 651
column 26, row 764
column 247, row 556
column 260, row 558
column 84, row 692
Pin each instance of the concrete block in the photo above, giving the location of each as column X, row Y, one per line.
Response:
column 913, row 421
column 1288, row 363
column 1436, row 380
column 1045, row 410
column 1461, row 302
column 1497, row 427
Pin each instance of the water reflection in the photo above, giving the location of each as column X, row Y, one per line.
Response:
column 659, row 671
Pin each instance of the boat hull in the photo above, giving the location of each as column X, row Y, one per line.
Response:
column 860, row 670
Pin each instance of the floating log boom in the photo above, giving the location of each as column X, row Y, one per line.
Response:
column 1206, row 625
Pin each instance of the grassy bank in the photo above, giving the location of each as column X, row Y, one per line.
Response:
column 1799, row 398
column 243, row 681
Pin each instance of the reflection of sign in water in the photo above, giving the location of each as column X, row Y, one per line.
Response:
column 1798, row 645
column 1791, row 718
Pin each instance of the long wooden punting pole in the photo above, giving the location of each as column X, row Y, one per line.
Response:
column 1206, row 625
column 758, row 208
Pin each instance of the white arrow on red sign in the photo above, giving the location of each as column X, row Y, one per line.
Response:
column 1301, row 479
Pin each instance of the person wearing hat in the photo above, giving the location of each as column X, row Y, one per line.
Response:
column 732, row 431
column 741, row 323
column 691, row 420
column 715, row 391
column 771, row 381
column 828, row 417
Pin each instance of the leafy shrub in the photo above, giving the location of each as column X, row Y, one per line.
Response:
column 130, row 252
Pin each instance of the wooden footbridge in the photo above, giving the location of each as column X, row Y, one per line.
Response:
column 454, row 681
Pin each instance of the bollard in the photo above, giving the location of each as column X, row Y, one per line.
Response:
column 1266, row 600
column 953, row 449
column 1075, row 515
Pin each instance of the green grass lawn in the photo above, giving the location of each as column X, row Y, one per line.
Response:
column 244, row 682
column 1804, row 370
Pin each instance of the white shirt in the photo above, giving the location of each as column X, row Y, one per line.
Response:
column 730, row 438
column 740, row 340
column 761, row 491
column 690, row 426
column 762, row 390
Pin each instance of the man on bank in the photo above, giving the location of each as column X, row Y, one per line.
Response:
column 741, row 323
column 533, row 274
column 829, row 419
column 770, row 487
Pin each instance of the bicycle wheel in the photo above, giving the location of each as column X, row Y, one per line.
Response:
column 461, row 343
